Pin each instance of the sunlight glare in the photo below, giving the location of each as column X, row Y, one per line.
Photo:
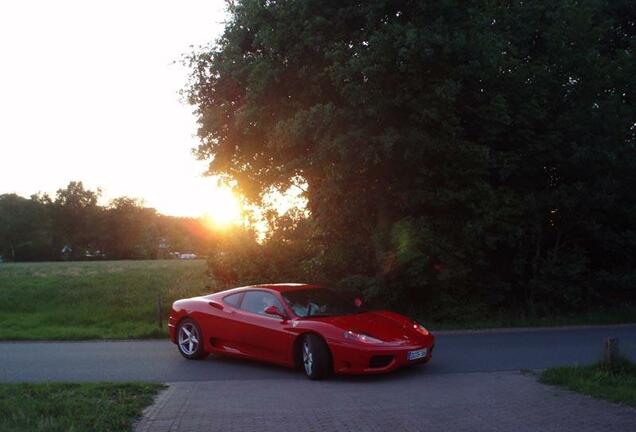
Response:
column 226, row 209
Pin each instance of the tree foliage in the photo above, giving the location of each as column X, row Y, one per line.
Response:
column 453, row 151
column 41, row 228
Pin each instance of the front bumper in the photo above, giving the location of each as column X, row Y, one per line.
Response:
column 360, row 359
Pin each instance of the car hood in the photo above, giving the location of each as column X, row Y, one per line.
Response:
column 386, row 326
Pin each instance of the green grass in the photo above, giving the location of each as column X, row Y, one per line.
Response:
column 117, row 300
column 66, row 407
column 93, row 300
column 617, row 384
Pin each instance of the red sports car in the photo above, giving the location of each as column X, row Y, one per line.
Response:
column 298, row 325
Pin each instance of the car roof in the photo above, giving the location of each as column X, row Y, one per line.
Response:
column 283, row 287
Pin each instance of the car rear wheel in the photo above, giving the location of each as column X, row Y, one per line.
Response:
column 315, row 357
column 190, row 340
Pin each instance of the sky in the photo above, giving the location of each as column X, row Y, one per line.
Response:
column 89, row 91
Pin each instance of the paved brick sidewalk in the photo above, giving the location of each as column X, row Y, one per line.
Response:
column 496, row 401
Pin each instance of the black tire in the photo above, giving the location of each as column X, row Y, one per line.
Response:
column 315, row 357
column 191, row 347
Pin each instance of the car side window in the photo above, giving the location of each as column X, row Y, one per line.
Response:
column 257, row 301
column 233, row 299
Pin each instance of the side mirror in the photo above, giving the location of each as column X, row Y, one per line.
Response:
column 273, row 310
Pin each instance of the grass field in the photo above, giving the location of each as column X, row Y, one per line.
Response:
column 61, row 407
column 617, row 383
column 93, row 300
column 118, row 300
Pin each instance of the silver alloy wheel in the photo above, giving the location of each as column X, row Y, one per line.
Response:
column 308, row 358
column 188, row 338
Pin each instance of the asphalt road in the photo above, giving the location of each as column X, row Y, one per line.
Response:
column 158, row 360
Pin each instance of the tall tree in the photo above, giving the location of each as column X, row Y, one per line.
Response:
column 130, row 229
column 75, row 217
column 25, row 229
column 451, row 149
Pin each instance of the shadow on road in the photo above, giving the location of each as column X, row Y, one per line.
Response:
column 253, row 367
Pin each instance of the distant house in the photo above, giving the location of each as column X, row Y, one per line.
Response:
column 187, row 256
column 66, row 252
column 94, row 254
column 163, row 249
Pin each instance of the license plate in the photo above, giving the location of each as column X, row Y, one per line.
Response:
column 417, row 354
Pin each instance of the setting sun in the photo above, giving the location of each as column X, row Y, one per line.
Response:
column 225, row 208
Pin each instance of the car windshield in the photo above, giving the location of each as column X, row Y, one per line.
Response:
column 320, row 302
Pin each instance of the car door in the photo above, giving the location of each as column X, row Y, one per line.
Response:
column 264, row 336
column 222, row 323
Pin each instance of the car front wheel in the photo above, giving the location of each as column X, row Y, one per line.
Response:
column 315, row 356
column 190, row 340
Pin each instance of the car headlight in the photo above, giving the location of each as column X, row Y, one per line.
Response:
column 420, row 328
column 360, row 337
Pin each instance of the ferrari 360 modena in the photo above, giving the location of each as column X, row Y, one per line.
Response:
column 303, row 326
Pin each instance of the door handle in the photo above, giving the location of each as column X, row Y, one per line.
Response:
column 217, row 305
